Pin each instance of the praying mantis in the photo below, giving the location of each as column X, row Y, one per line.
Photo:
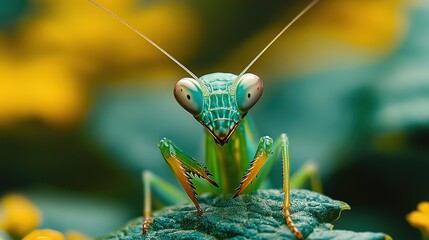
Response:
column 220, row 102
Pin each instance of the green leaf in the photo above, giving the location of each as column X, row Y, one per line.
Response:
column 257, row 215
column 323, row 233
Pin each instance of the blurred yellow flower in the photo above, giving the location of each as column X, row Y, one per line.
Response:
column 46, row 67
column 420, row 218
column 371, row 25
column 41, row 87
column 18, row 215
column 44, row 234
column 332, row 33
column 83, row 31
column 74, row 235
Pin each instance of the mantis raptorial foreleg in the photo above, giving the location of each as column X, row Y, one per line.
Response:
column 263, row 154
column 262, row 162
column 185, row 167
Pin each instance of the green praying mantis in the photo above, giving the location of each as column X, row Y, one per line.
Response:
column 220, row 102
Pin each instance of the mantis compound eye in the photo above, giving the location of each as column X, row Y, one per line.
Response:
column 189, row 95
column 249, row 90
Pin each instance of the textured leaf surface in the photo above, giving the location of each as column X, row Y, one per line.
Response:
column 258, row 216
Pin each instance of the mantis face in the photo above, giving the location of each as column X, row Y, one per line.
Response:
column 219, row 101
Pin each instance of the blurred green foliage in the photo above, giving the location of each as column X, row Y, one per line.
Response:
column 83, row 101
column 10, row 12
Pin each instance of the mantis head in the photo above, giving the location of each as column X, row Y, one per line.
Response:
column 219, row 101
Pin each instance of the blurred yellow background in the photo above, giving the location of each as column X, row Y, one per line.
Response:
column 58, row 49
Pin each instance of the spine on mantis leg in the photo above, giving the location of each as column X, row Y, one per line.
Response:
column 185, row 167
column 261, row 156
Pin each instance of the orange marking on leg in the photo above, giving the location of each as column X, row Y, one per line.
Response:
column 146, row 224
column 185, row 180
column 255, row 166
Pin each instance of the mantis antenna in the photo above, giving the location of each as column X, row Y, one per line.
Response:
column 310, row 5
column 146, row 38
